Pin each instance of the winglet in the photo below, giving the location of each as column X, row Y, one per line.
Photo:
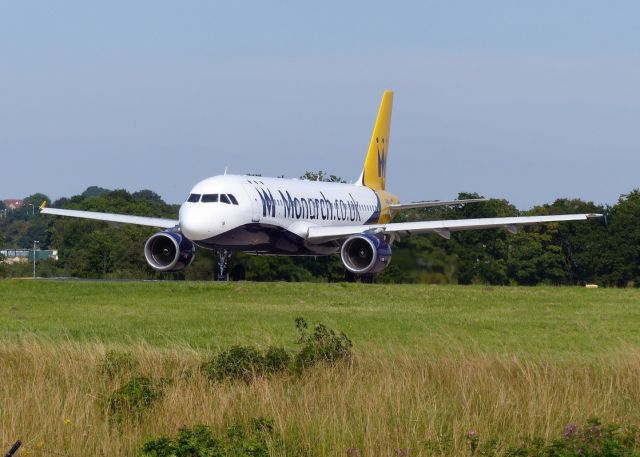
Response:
column 43, row 205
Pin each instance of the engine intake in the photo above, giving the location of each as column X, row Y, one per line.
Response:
column 169, row 251
column 365, row 254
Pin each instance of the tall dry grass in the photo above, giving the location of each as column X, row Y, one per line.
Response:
column 52, row 397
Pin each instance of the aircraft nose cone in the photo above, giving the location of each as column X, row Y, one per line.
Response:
column 193, row 224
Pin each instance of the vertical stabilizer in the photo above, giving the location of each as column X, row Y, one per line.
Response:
column 375, row 164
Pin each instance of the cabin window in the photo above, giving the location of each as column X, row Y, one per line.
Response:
column 233, row 199
column 209, row 198
column 224, row 199
column 194, row 198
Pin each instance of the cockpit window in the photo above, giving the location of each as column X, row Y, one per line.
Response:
column 213, row 198
column 209, row 198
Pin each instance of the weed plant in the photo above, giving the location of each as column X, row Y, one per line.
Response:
column 321, row 345
column 593, row 439
column 133, row 399
column 118, row 363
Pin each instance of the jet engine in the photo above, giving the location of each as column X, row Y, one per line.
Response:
column 365, row 254
column 169, row 251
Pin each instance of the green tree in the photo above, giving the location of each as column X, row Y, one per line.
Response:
column 533, row 257
column 95, row 191
column 321, row 176
column 273, row 268
column 481, row 254
column 621, row 253
column 147, row 195
column 36, row 200
column 97, row 249
column 580, row 242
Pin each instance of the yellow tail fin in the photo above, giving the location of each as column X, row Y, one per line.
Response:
column 375, row 165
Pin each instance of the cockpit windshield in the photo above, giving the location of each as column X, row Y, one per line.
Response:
column 194, row 198
column 222, row 198
column 209, row 198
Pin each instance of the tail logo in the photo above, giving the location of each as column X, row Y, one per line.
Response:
column 382, row 158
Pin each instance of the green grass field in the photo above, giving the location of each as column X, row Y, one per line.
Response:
column 429, row 361
column 558, row 322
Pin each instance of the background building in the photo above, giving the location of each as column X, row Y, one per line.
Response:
column 12, row 203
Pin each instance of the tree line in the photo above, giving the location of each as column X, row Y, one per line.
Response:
column 604, row 251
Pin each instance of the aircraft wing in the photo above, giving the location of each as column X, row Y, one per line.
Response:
column 110, row 217
column 432, row 203
column 317, row 234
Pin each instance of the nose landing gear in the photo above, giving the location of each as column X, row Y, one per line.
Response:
column 223, row 264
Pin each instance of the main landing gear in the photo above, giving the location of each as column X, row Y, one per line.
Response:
column 223, row 264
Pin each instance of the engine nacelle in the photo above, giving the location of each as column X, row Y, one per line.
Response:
column 169, row 251
column 365, row 254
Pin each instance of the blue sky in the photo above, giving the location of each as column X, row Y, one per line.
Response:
column 528, row 101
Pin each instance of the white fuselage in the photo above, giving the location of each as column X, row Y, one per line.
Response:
column 272, row 215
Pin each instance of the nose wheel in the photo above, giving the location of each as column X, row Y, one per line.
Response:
column 223, row 264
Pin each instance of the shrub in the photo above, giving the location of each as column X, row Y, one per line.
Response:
column 238, row 362
column 276, row 359
column 321, row 345
column 116, row 363
column 245, row 362
column 133, row 398
column 200, row 440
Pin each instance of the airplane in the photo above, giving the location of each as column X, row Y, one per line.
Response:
column 276, row 216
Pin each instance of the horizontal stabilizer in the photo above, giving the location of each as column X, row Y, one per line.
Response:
column 432, row 203
column 109, row 217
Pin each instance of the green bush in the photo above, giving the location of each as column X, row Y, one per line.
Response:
column 133, row 398
column 237, row 362
column 200, row 441
column 116, row 363
column 245, row 363
column 321, row 345
column 276, row 359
